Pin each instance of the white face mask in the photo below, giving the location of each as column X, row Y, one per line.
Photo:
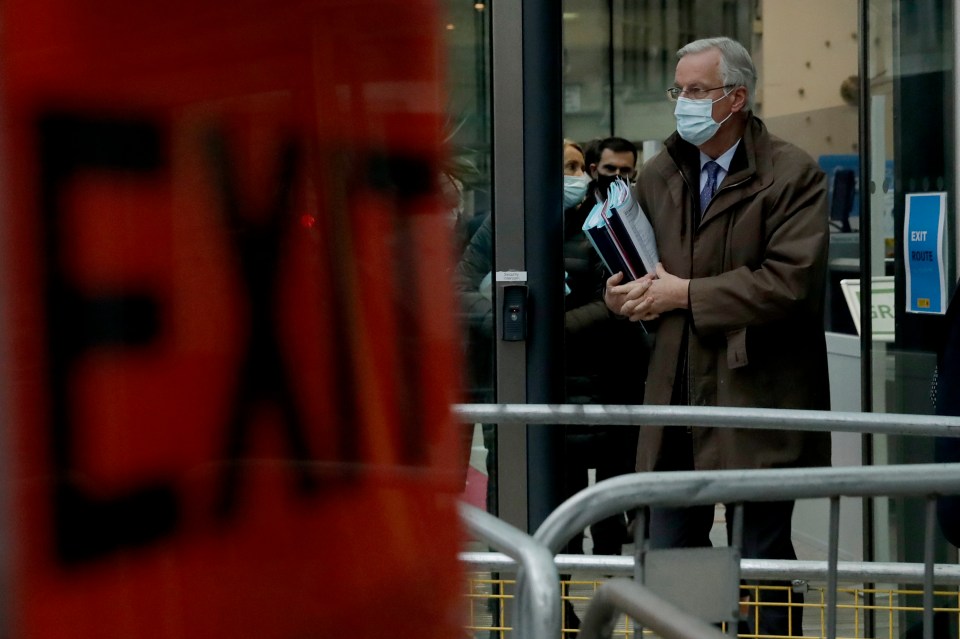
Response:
column 574, row 189
column 695, row 122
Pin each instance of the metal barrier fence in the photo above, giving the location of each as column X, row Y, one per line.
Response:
column 694, row 488
column 887, row 603
column 756, row 569
column 691, row 488
column 709, row 416
column 538, row 601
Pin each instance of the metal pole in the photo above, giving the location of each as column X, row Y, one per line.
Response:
column 866, row 320
column 832, row 561
column 956, row 115
column 697, row 488
column 711, row 417
column 856, row 572
column 611, row 69
column 537, row 603
column 543, row 206
column 640, row 549
column 866, row 339
column 928, row 552
column 737, row 542
column 507, row 96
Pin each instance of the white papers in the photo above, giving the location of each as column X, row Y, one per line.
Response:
column 621, row 234
column 636, row 223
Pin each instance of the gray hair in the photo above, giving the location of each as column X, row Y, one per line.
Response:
column 736, row 65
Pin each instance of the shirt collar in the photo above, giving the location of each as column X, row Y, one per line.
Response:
column 724, row 160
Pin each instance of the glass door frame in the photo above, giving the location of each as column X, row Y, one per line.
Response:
column 527, row 194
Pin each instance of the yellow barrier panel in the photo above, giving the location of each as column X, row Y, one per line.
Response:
column 488, row 598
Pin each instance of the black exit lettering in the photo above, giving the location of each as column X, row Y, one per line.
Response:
column 263, row 375
column 88, row 527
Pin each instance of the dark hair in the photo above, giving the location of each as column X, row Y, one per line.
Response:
column 591, row 151
column 617, row 145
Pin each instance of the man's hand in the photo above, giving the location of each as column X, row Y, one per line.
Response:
column 649, row 297
column 616, row 296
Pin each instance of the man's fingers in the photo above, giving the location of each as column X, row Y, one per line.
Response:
column 632, row 290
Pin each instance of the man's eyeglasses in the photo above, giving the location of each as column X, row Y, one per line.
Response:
column 694, row 94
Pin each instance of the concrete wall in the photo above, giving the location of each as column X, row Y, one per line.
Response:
column 808, row 49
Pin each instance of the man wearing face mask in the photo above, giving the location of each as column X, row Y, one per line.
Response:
column 616, row 158
column 741, row 223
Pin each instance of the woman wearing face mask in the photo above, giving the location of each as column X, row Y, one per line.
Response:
column 474, row 270
column 473, row 283
column 594, row 372
column 575, row 178
column 578, row 256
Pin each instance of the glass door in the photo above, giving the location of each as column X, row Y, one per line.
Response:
column 467, row 179
column 910, row 103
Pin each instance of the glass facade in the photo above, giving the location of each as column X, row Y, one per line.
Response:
column 892, row 131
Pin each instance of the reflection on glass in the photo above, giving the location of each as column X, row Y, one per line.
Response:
column 911, row 59
column 467, row 178
column 620, row 56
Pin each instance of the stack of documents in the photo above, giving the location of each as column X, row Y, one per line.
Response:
column 621, row 234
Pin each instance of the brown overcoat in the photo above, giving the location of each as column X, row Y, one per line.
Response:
column 754, row 330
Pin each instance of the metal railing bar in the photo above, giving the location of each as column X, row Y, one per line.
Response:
column 848, row 572
column 736, row 540
column 709, row 416
column 640, row 551
column 662, row 617
column 691, row 488
column 833, row 558
column 537, row 603
column 928, row 536
column 737, row 536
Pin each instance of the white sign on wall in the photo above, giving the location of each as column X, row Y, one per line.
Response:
column 881, row 305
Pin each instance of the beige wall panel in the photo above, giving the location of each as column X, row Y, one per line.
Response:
column 809, row 49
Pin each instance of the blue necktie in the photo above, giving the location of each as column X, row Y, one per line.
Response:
column 712, row 169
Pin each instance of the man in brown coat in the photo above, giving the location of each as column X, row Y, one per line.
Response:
column 741, row 222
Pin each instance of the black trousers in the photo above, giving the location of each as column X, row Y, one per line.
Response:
column 611, row 451
column 766, row 535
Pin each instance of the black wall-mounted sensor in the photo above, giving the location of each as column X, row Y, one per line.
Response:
column 514, row 324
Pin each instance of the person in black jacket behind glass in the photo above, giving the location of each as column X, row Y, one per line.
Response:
column 946, row 398
column 604, row 358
